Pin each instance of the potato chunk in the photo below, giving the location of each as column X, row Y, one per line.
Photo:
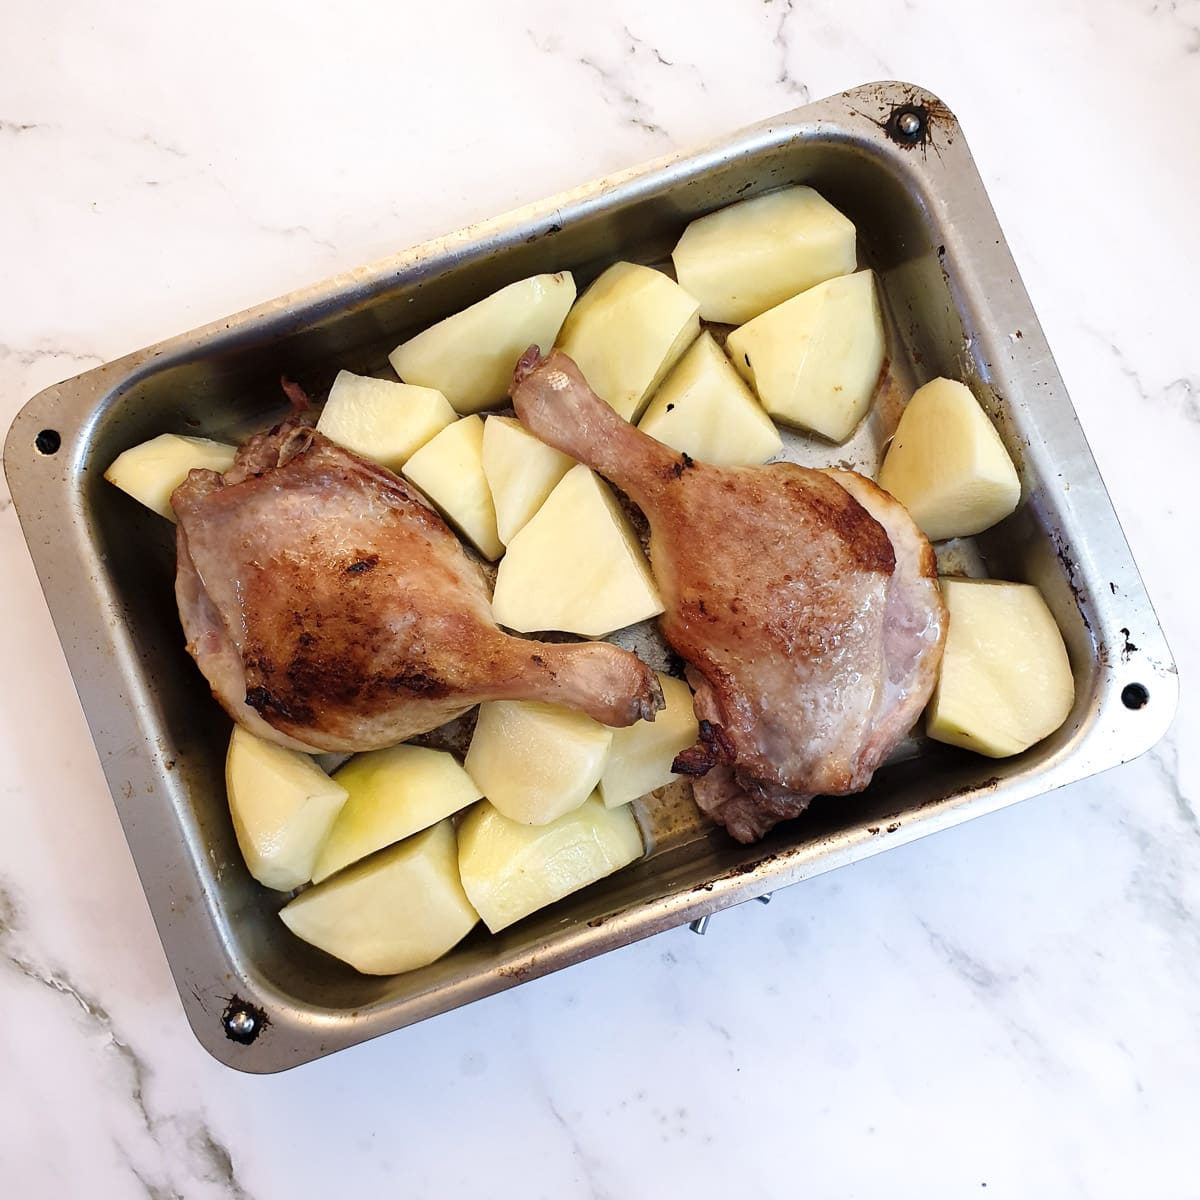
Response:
column 384, row 421
column 704, row 409
column 282, row 805
column 1006, row 681
column 535, row 762
column 510, row 870
column 398, row 910
column 814, row 360
column 576, row 566
column 744, row 259
column 947, row 464
column 470, row 356
column 521, row 472
column 152, row 471
column 627, row 331
column 640, row 757
column 449, row 470
column 393, row 793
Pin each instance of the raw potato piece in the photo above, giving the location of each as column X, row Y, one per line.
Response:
column 704, row 409
column 535, row 762
column 449, row 470
column 947, row 464
column 282, row 805
column 521, row 472
column 510, row 870
column 398, row 910
column 814, row 360
column 384, row 421
column 744, row 259
column 470, row 356
column 640, row 757
column 393, row 793
column 627, row 331
column 152, row 471
column 576, row 566
column 1006, row 681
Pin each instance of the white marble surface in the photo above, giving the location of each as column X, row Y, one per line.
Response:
column 1011, row 1008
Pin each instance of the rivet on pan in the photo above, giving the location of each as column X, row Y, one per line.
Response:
column 909, row 124
column 765, row 898
column 700, row 925
column 241, row 1025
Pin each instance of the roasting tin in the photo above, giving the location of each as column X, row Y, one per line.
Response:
column 889, row 155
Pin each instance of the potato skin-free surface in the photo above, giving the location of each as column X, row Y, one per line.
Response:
column 627, row 331
column 470, row 356
column 282, row 805
column 393, row 793
column 521, row 472
column 640, row 757
column 745, row 258
column 947, row 464
column 401, row 909
column 815, row 360
column 384, row 421
column 704, row 409
column 510, row 870
column 535, row 762
column 151, row 471
column 1006, row 680
column 449, row 470
column 576, row 566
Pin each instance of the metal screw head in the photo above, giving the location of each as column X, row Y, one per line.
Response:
column 242, row 1021
column 908, row 125
column 241, row 1025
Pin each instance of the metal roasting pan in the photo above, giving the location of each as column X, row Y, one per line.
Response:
column 893, row 158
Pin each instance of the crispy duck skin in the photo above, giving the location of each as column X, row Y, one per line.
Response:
column 804, row 602
column 331, row 609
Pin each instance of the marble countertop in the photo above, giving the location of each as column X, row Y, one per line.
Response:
column 1010, row 1008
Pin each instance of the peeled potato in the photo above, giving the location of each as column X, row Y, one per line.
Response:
column 814, row 360
column 398, row 910
column 470, row 356
column 521, row 472
column 393, row 793
column 152, row 471
column 640, row 757
column 510, row 870
column 384, row 421
column 627, row 331
column 282, row 805
column 704, row 409
column 744, row 259
column 535, row 762
column 1005, row 682
column 449, row 470
column 576, row 566
column 947, row 464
